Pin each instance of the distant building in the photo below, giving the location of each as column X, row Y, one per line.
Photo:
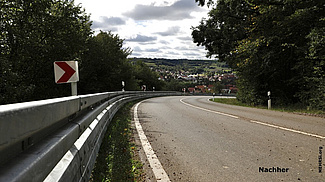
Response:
column 191, row 90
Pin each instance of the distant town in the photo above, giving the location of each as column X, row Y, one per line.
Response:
column 195, row 76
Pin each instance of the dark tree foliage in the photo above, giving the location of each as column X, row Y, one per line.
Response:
column 35, row 33
column 275, row 45
column 145, row 76
column 203, row 2
column 104, row 66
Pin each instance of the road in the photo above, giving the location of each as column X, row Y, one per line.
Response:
column 199, row 140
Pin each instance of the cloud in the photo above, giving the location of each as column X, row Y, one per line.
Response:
column 191, row 54
column 165, row 47
column 187, row 38
column 152, row 50
column 108, row 23
column 173, row 53
column 187, row 48
column 164, row 42
column 136, row 54
column 171, row 31
column 113, row 20
column 142, row 38
column 137, row 49
column 149, row 25
column 180, row 10
column 96, row 24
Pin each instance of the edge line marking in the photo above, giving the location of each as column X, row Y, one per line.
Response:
column 220, row 113
column 154, row 162
column 287, row 129
column 258, row 122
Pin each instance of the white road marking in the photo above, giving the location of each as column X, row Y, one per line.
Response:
column 224, row 114
column 258, row 122
column 221, row 97
column 154, row 162
column 288, row 129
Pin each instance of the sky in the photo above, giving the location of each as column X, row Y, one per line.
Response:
column 151, row 28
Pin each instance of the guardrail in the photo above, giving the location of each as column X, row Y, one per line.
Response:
column 58, row 139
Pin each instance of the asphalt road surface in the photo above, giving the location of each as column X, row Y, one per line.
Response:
column 199, row 140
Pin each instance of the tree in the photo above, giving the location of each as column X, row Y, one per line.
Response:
column 271, row 48
column 104, row 66
column 145, row 76
column 225, row 27
column 217, row 87
column 34, row 34
column 175, row 85
column 313, row 83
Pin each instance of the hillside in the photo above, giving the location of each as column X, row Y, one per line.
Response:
column 185, row 65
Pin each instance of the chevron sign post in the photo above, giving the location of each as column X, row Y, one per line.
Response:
column 67, row 72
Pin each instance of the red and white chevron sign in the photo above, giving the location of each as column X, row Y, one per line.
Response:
column 66, row 71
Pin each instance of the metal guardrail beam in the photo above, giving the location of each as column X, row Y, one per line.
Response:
column 23, row 124
column 57, row 139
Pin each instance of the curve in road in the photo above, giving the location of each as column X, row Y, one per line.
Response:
column 198, row 140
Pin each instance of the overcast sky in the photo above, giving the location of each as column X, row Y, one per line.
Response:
column 151, row 28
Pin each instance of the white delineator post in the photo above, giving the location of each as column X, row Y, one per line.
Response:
column 123, row 85
column 269, row 101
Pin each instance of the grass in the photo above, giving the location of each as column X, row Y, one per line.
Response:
column 299, row 109
column 234, row 101
column 117, row 159
column 289, row 108
column 231, row 101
